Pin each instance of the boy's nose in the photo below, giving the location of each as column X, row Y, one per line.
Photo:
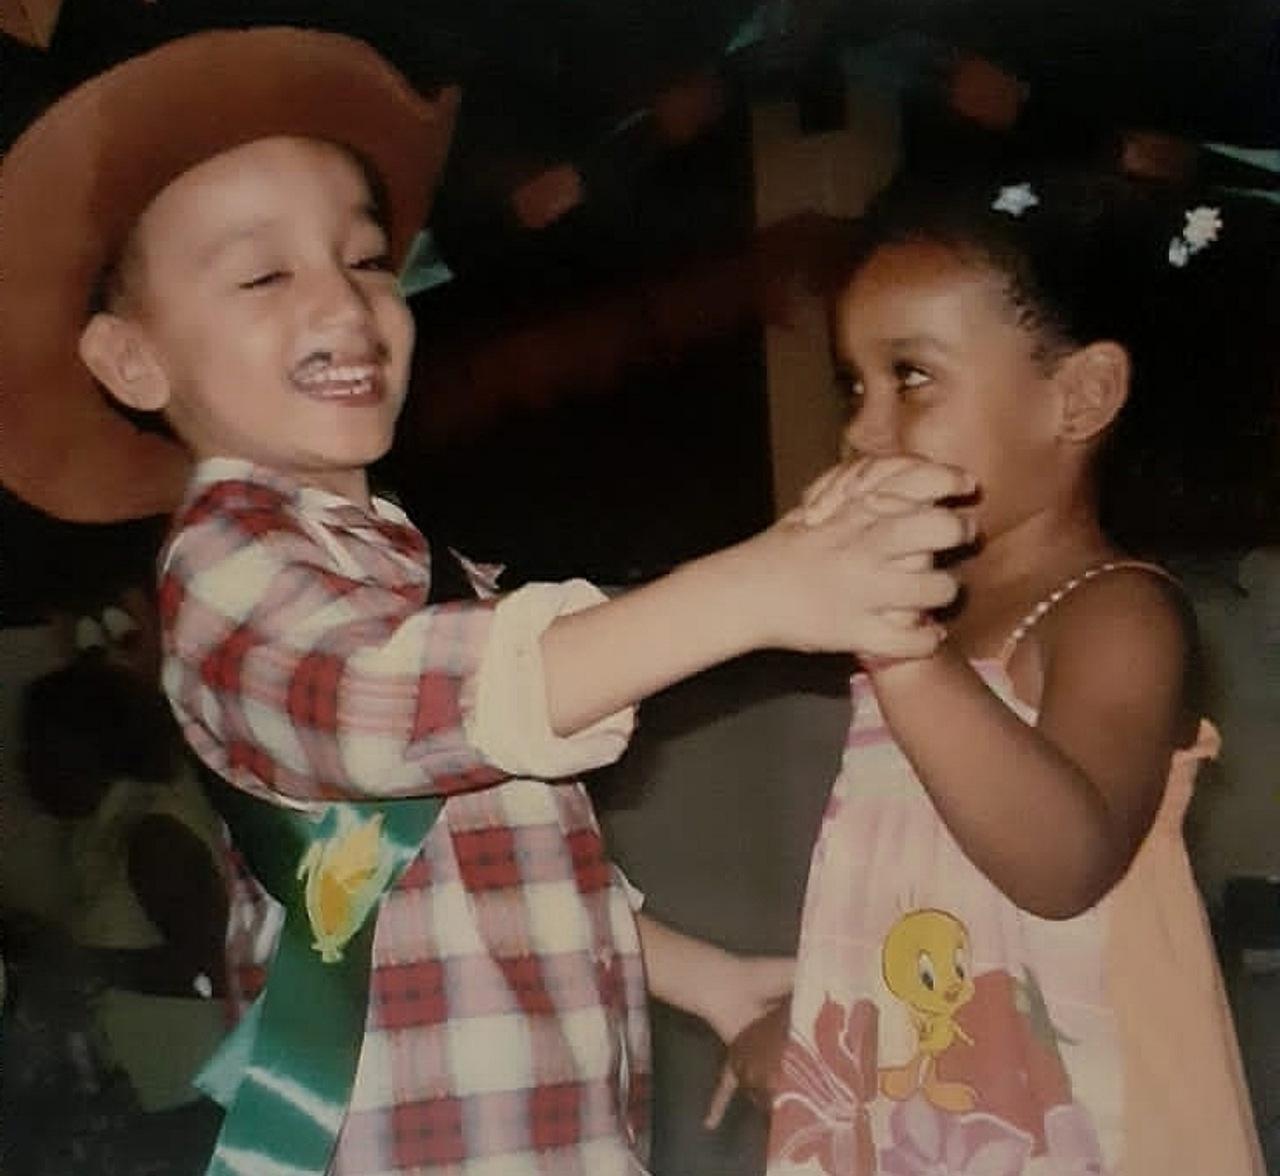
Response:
column 338, row 297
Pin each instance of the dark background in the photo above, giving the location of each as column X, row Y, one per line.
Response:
column 619, row 472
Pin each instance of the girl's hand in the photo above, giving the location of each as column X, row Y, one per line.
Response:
column 754, row 1063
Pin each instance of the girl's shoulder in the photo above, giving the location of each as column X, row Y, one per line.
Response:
column 1120, row 600
column 1124, row 624
column 1112, row 599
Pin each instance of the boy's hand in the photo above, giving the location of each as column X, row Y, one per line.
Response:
column 884, row 486
column 851, row 569
column 753, row 1064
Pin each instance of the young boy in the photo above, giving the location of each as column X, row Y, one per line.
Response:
column 215, row 228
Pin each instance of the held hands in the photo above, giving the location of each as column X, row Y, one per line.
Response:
column 851, row 569
column 753, row 1064
column 741, row 989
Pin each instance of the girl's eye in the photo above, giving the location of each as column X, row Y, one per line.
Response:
column 268, row 278
column 375, row 263
column 909, row 376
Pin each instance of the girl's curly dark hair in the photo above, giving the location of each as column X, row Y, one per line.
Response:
column 1192, row 462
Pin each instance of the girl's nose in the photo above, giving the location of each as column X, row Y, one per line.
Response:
column 871, row 433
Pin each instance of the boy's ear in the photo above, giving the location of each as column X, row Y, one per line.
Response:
column 1093, row 385
column 124, row 363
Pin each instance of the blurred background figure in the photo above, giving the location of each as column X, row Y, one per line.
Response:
column 140, row 942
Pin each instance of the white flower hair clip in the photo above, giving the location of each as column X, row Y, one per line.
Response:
column 1203, row 226
column 1015, row 199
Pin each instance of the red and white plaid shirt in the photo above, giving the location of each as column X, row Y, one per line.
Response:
column 507, row 1030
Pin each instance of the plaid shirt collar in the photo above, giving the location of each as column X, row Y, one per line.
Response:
column 310, row 500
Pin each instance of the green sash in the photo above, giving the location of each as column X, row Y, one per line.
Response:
column 285, row 1074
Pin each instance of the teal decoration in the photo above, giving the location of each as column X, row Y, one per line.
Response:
column 1269, row 194
column 1264, row 159
column 772, row 18
column 1267, row 158
column 424, row 268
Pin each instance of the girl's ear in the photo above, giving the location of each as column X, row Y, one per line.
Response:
column 121, row 359
column 1094, row 385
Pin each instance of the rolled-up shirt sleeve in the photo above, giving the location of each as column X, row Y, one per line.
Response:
column 508, row 716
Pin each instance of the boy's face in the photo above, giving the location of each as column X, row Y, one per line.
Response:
column 260, row 312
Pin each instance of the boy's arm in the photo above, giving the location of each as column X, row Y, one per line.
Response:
column 297, row 679
column 727, row 991
column 840, row 576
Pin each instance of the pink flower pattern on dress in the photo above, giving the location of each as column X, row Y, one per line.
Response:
column 822, row 1113
column 1072, row 1143
column 929, row 1142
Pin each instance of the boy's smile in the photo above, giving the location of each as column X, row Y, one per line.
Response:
column 259, row 311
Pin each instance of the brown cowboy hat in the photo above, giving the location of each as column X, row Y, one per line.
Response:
column 76, row 181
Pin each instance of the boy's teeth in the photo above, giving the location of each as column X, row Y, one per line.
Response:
column 336, row 374
column 337, row 380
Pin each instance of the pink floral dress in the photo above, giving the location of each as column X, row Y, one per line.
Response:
column 939, row 1030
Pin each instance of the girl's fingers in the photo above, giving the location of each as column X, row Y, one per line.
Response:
column 720, row 1100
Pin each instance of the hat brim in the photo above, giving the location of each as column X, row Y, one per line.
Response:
column 76, row 181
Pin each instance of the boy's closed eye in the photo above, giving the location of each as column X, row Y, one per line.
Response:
column 374, row 263
column 379, row 262
column 264, row 279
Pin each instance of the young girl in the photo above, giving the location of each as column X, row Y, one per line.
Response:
column 1004, row 965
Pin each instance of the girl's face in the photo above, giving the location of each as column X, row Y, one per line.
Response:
column 937, row 366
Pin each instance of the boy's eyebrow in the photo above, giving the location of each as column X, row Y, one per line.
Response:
column 365, row 210
column 235, row 235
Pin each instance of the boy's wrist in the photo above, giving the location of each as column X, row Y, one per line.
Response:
column 740, row 598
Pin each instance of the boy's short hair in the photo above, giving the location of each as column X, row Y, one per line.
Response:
column 75, row 183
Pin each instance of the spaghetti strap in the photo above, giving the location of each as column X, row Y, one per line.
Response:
column 1045, row 606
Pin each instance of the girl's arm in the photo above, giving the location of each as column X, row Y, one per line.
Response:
column 1053, row 814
